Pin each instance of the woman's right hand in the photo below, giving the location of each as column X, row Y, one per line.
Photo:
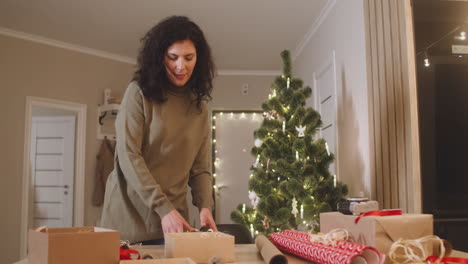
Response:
column 173, row 222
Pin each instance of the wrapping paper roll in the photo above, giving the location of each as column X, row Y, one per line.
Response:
column 341, row 252
column 270, row 254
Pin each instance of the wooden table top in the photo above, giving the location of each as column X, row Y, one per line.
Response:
column 245, row 253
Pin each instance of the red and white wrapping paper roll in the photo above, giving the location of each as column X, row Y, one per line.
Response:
column 341, row 252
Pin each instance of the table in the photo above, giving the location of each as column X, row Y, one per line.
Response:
column 245, row 253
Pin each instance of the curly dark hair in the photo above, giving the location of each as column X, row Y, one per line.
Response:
column 151, row 74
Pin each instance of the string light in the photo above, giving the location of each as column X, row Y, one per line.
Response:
column 214, row 117
column 462, row 35
column 426, row 60
column 214, row 127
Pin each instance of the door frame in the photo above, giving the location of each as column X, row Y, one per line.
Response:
column 80, row 147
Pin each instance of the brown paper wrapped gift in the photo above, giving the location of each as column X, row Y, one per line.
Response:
column 379, row 231
column 74, row 245
column 200, row 246
column 159, row 261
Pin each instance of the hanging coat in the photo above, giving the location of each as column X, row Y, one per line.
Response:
column 104, row 166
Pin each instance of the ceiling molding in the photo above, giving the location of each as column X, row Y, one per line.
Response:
column 65, row 45
column 112, row 56
column 248, row 73
column 313, row 29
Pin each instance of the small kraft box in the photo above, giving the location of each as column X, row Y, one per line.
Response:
column 159, row 261
column 379, row 231
column 200, row 246
column 74, row 245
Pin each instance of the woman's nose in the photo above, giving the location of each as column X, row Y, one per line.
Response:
column 180, row 64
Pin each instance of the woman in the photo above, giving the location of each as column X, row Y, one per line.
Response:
column 163, row 137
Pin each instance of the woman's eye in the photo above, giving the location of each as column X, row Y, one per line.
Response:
column 189, row 58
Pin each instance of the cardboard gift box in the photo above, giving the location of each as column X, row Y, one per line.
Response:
column 200, row 246
column 379, row 231
column 159, row 261
column 75, row 245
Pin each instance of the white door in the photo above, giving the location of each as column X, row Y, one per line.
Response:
column 234, row 140
column 52, row 165
column 326, row 105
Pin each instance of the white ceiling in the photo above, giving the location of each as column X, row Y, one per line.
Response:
column 245, row 35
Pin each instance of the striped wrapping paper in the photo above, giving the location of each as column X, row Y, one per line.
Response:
column 341, row 252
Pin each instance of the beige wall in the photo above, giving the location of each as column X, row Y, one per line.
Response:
column 227, row 92
column 31, row 69
column 343, row 32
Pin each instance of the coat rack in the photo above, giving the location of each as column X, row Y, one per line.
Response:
column 102, row 112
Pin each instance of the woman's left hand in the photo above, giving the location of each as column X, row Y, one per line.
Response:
column 206, row 219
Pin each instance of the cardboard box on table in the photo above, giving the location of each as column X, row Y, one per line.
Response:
column 159, row 261
column 74, row 245
column 200, row 246
column 379, row 231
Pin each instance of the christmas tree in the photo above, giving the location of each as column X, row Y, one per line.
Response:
column 290, row 184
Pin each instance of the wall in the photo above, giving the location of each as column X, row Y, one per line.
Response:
column 31, row 69
column 343, row 31
column 227, row 92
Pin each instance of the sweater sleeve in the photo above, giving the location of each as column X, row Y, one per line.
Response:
column 130, row 125
column 200, row 177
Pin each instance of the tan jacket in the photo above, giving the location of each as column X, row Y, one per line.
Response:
column 160, row 150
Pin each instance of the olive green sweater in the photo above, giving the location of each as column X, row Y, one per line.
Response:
column 161, row 149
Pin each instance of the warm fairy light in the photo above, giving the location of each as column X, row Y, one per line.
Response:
column 243, row 208
column 426, row 63
column 221, row 113
column 214, row 117
column 214, row 140
column 214, row 175
column 214, row 127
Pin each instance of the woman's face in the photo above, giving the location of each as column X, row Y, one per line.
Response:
column 180, row 61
